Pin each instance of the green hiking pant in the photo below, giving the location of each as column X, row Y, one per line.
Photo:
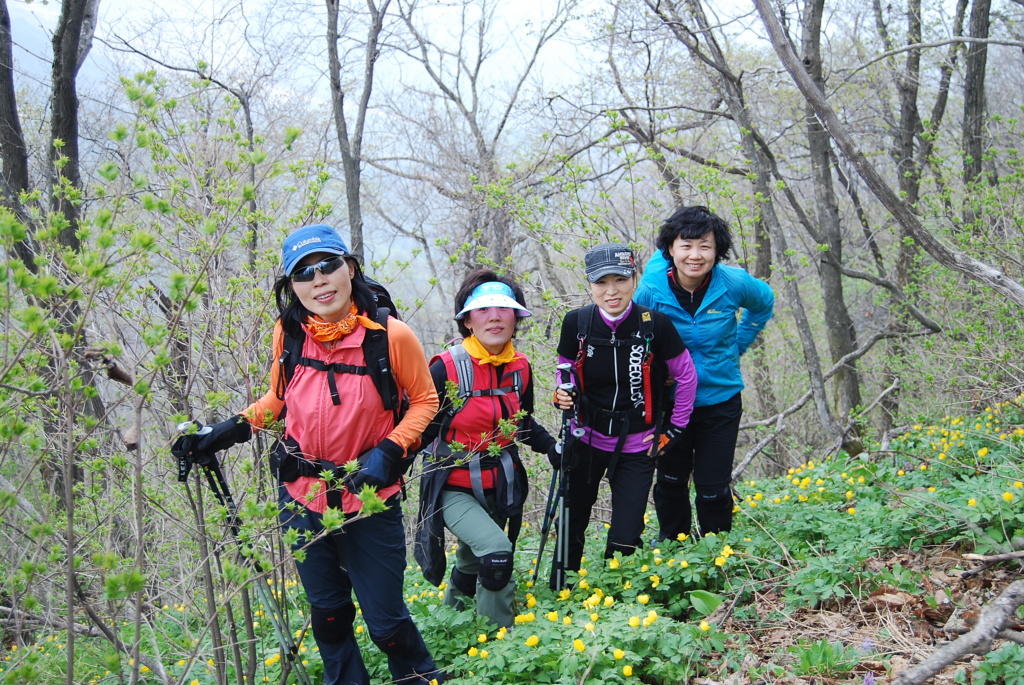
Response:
column 479, row 534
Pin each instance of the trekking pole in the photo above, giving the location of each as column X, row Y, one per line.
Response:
column 182, row 449
column 568, row 435
column 550, row 508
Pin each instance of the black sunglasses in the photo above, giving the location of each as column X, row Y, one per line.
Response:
column 308, row 273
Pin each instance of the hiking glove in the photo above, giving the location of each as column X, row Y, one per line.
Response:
column 671, row 438
column 224, row 435
column 555, row 456
column 378, row 468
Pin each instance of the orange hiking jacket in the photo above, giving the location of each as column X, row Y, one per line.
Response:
column 340, row 433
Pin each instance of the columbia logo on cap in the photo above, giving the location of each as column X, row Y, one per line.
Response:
column 307, row 241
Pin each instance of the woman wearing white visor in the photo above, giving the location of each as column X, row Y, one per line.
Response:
column 474, row 483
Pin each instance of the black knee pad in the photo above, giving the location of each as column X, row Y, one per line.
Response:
column 332, row 625
column 715, row 497
column 464, row 582
column 495, row 570
column 402, row 641
column 671, row 482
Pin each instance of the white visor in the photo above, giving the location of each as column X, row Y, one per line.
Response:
column 493, row 294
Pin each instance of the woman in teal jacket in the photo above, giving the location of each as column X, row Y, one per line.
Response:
column 686, row 280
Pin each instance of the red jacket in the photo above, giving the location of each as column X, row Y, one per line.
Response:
column 477, row 425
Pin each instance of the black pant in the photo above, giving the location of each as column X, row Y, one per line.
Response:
column 706, row 451
column 630, row 482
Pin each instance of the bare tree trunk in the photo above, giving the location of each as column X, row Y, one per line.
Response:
column 842, row 338
column 908, row 174
column 64, row 156
column 351, row 143
column 975, row 62
column 12, row 141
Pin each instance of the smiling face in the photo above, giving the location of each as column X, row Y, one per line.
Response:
column 492, row 326
column 693, row 259
column 613, row 293
column 328, row 296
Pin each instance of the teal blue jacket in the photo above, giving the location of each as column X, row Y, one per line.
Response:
column 734, row 310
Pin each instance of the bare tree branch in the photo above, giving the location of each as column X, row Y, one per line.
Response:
column 991, row 626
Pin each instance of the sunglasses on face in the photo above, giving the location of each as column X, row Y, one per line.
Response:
column 308, row 273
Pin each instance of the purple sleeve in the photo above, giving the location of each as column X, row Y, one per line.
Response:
column 685, row 375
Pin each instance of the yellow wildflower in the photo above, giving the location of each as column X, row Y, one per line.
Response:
column 578, row 645
column 532, row 641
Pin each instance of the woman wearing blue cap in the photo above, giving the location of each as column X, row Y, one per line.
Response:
column 342, row 408
column 625, row 359
column 473, row 482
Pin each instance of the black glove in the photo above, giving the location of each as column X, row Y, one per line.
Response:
column 555, row 456
column 224, row 435
column 380, row 467
column 671, row 438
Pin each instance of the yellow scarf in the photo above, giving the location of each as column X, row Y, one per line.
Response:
column 478, row 352
column 328, row 331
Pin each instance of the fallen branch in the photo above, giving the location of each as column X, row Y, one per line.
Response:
column 992, row 558
column 991, row 625
column 34, row 619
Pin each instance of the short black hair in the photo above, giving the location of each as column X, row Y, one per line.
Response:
column 691, row 223
column 294, row 314
column 479, row 277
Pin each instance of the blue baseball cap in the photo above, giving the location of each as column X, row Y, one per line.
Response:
column 310, row 239
column 493, row 294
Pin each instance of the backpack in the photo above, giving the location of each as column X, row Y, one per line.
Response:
column 375, row 351
column 285, row 461
column 464, row 377
column 584, row 321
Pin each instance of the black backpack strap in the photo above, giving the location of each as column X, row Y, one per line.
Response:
column 584, row 319
column 333, row 370
column 378, row 361
column 290, row 356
